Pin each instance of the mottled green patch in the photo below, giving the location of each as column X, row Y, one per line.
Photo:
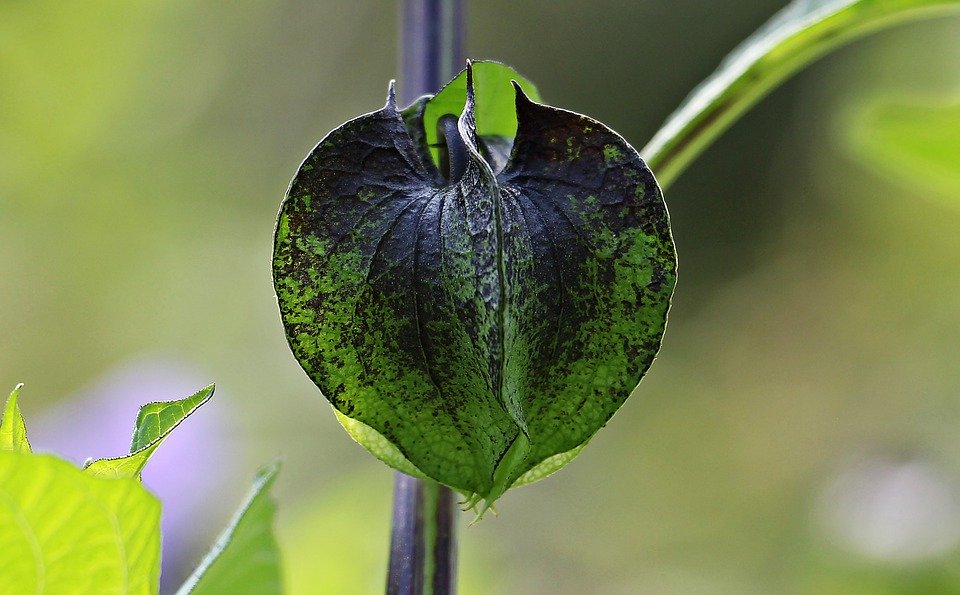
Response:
column 476, row 331
column 611, row 153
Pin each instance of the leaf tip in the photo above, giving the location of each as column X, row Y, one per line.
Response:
column 521, row 96
column 13, row 432
column 204, row 395
column 268, row 472
column 470, row 89
column 14, row 395
column 391, row 95
column 467, row 123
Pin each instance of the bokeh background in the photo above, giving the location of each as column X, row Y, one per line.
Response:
column 799, row 433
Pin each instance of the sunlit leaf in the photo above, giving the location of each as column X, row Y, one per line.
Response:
column 13, row 432
column 245, row 559
column 378, row 446
column 917, row 145
column 154, row 423
column 483, row 324
column 792, row 39
column 97, row 530
column 63, row 531
column 548, row 466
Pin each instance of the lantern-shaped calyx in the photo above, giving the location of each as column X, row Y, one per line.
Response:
column 474, row 302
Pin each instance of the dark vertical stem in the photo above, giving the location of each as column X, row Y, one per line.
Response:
column 405, row 576
column 431, row 36
column 445, row 544
column 423, row 546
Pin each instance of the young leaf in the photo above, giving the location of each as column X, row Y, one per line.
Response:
column 496, row 113
column 793, row 38
column 13, row 432
column 917, row 145
column 154, row 423
column 62, row 531
column 480, row 324
column 245, row 558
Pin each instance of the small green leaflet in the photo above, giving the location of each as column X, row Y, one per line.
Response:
column 477, row 322
column 13, row 432
column 245, row 559
column 154, row 423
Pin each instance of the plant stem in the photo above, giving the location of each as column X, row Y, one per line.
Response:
column 432, row 33
column 423, row 547
column 779, row 49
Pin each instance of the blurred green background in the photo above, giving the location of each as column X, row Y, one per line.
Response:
column 799, row 433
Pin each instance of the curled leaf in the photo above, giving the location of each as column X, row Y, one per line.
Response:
column 482, row 321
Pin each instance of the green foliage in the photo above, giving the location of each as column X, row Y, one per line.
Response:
column 792, row 39
column 245, row 559
column 714, row 442
column 97, row 530
column 155, row 421
column 915, row 144
column 65, row 531
column 13, row 432
column 62, row 531
column 478, row 326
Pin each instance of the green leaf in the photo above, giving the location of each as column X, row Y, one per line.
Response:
column 496, row 114
column 63, row 531
column 97, row 530
column 917, row 145
column 13, row 432
column 548, row 466
column 483, row 324
column 245, row 559
column 793, row 38
column 378, row 446
column 154, row 423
